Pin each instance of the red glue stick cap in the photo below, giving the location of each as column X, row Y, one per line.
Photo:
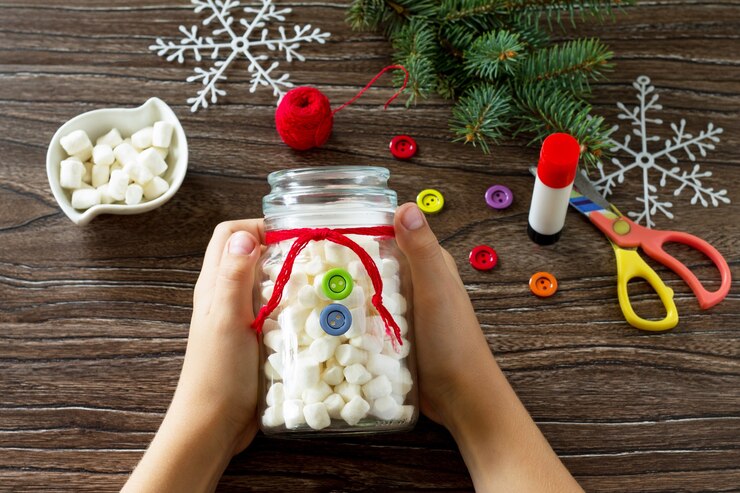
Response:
column 558, row 160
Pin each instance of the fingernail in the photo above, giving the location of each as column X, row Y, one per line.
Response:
column 412, row 218
column 241, row 243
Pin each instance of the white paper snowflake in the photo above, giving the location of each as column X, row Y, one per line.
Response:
column 646, row 160
column 220, row 13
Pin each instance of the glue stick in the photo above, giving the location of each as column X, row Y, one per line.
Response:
column 556, row 172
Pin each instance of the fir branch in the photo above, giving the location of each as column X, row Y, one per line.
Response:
column 472, row 11
column 570, row 64
column 481, row 115
column 493, row 54
column 544, row 109
column 390, row 15
column 415, row 47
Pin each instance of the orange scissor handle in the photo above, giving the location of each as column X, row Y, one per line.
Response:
column 628, row 234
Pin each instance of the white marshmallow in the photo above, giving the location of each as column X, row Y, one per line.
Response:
column 317, row 416
column 357, row 271
column 276, row 394
column 391, row 285
column 355, row 299
column 151, row 159
column 359, row 322
column 306, row 372
column 317, row 393
column 313, row 325
column 162, row 134
column 273, row 340
column 267, row 287
column 103, row 154
column 348, row 391
column 75, row 142
column 87, row 175
column 337, row 255
column 388, row 267
column 407, row 413
column 386, row 408
column 402, row 324
column 162, row 151
column 304, row 340
column 318, row 289
column 355, row 410
column 380, row 364
column 368, row 243
column 138, row 173
column 377, row 387
column 112, row 138
column 348, row 355
column 395, row 303
column 357, row 374
column 307, row 297
column 333, row 375
column 334, row 404
column 295, row 283
column 315, row 249
column 293, row 413
column 369, row 342
column 402, row 383
column 143, row 138
column 85, row 198
column 125, row 154
column 293, row 319
column 403, row 350
column 276, row 361
column 116, row 165
column 273, row 417
column 104, row 197
column 155, row 188
column 70, row 173
column 271, row 373
column 100, row 174
column 323, row 348
column 134, row 193
column 269, row 325
column 399, row 400
column 314, row 266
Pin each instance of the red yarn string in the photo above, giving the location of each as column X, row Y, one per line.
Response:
column 372, row 81
column 303, row 236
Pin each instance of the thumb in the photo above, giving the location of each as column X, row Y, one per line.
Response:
column 232, row 296
column 417, row 241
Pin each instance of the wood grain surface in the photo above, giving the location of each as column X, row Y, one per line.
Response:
column 94, row 319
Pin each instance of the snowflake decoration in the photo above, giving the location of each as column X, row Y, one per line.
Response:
column 647, row 160
column 235, row 44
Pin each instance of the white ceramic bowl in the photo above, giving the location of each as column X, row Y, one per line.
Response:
column 128, row 121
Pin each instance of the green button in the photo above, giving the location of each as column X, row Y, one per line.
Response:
column 337, row 284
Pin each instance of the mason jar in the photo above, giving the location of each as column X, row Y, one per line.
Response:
column 333, row 299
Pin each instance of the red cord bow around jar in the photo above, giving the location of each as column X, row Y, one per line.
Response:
column 303, row 236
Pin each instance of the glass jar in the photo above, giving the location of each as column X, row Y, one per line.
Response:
column 331, row 362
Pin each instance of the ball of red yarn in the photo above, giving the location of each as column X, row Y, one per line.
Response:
column 304, row 118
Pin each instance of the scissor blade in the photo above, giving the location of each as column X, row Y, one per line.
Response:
column 588, row 190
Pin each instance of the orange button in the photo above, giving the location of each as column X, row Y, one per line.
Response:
column 543, row 284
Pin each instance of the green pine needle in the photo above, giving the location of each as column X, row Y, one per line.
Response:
column 493, row 54
column 481, row 115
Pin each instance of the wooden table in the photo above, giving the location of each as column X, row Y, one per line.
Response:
column 94, row 319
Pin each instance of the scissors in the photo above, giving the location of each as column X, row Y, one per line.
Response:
column 626, row 236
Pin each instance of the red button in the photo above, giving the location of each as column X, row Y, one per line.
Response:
column 403, row 147
column 483, row 257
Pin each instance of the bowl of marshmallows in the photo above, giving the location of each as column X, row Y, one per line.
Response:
column 117, row 161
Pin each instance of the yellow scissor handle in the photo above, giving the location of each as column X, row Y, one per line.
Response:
column 630, row 266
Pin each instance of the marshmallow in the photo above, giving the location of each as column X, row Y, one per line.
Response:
column 407, row 413
column 315, row 249
column 273, row 340
column 104, row 197
column 359, row 322
column 293, row 413
column 267, row 287
column 402, row 324
column 70, row 173
column 357, row 374
column 133, row 195
column 337, row 255
column 116, row 165
column 143, row 138
column 307, row 297
column 138, row 173
column 313, row 325
column 396, row 397
column 323, row 348
column 391, row 285
column 294, row 285
column 103, row 154
column 112, row 138
column 317, row 393
column 334, row 404
column 318, row 289
column 348, row 391
column 386, row 408
column 162, row 134
column 87, row 175
column 314, row 266
column 355, row 299
column 276, row 361
column 317, row 416
column 333, row 375
column 269, row 325
column 304, row 340
column 100, row 174
column 85, row 198
column 162, row 151
column 388, row 267
column 125, row 154
column 377, row 387
column 402, row 383
column 306, row 372
column 273, row 417
column 155, row 188
column 395, row 303
column 76, row 142
column 293, row 319
column 355, row 410
column 271, row 373
column 348, row 355
column 380, row 364
column 403, row 350
column 276, row 394
column 368, row 243
column 369, row 342
column 357, row 271
column 151, row 159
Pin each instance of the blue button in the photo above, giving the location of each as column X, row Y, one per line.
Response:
column 335, row 319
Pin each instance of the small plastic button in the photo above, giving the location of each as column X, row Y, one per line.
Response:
column 403, row 147
column 483, row 257
column 499, row 197
column 337, row 284
column 430, row 201
column 335, row 319
column 543, row 284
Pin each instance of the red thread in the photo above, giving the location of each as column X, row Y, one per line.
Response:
column 304, row 118
column 303, row 236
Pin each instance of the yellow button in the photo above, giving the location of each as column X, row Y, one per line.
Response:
column 430, row 201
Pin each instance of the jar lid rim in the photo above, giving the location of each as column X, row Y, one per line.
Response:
column 276, row 176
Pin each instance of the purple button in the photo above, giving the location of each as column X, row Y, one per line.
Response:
column 499, row 197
